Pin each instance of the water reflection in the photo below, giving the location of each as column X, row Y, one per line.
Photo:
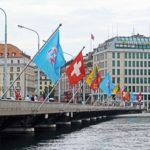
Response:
column 118, row 134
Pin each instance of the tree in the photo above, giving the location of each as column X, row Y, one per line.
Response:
column 47, row 90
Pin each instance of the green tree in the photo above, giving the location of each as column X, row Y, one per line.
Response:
column 47, row 90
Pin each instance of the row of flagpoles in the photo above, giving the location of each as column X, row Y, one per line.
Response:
column 50, row 59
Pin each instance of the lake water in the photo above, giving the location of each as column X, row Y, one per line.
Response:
column 130, row 133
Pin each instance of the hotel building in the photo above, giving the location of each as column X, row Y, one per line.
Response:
column 127, row 59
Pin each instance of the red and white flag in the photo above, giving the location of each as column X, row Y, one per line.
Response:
column 76, row 70
column 139, row 97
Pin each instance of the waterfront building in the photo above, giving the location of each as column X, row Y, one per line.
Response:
column 16, row 61
column 127, row 59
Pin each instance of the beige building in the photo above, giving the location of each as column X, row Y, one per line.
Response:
column 16, row 61
column 127, row 59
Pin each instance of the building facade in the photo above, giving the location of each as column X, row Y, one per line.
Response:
column 127, row 59
column 16, row 61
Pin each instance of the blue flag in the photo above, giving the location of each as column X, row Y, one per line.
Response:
column 50, row 58
column 106, row 85
column 133, row 97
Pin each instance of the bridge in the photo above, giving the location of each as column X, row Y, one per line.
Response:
column 29, row 114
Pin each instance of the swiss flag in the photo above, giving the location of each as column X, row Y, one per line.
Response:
column 76, row 70
column 139, row 97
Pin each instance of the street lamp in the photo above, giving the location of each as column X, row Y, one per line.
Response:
column 5, row 51
column 38, row 85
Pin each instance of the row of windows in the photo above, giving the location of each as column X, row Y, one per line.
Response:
column 136, row 72
column 137, row 80
column 132, row 46
column 8, row 54
column 12, row 61
column 12, row 69
column 137, row 63
column 137, row 55
column 132, row 55
column 131, row 72
column 138, row 89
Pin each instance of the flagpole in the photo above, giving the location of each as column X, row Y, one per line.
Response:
column 48, row 95
column 28, row 64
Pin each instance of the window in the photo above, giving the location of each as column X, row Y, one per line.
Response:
column 113, row 71
column 113, row 63
column 13, row 54
column 113, row 55
column 141, row 63
column 118, row 80
column 118, row 55
column 133, row 71
column 141, row 55
column 141, row 72
column 125, row 72
column 137, row 80
column 18, row 69
column 18, row 61
column 133, row 63
column 118, row 71
column 11, row 61
column 118, row 63
column 145, row 63
column 126, row 55
column 145, row 72
column 11, row 76
column 126, row 64
column 137, row 72
column 133, row 80
column 11, row 69
column 125, row 80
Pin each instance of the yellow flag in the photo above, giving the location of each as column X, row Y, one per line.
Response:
column 90, row 78
column 116, row 88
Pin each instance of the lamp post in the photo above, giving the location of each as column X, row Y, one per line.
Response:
column 5, row 53
column 38, row 83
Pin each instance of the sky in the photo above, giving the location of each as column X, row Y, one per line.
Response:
column 80, row 18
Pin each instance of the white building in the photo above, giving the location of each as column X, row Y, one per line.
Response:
column 16, row 61
column 127, row 59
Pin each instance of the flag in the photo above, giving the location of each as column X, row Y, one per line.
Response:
column 92, row 37
column 76, row 70
column 116, row 88
column 95, row 84
column 139, row 97
column 106, row 85
column 17, row 95
column 90, row 78
column 125, row 95
column 133, row 97
column 50, row 58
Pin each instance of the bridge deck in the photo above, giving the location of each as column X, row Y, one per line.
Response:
column 9, row 107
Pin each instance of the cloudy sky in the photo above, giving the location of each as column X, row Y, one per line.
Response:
column 80, row 18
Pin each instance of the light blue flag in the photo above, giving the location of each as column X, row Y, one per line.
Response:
column 106, row 85
column 133, row 97
column 50, row 58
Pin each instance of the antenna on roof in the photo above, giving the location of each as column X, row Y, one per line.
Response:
column 117, row 30
column 108, row 32
column 112, row 31
column 149, row 29
column 133, row 32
